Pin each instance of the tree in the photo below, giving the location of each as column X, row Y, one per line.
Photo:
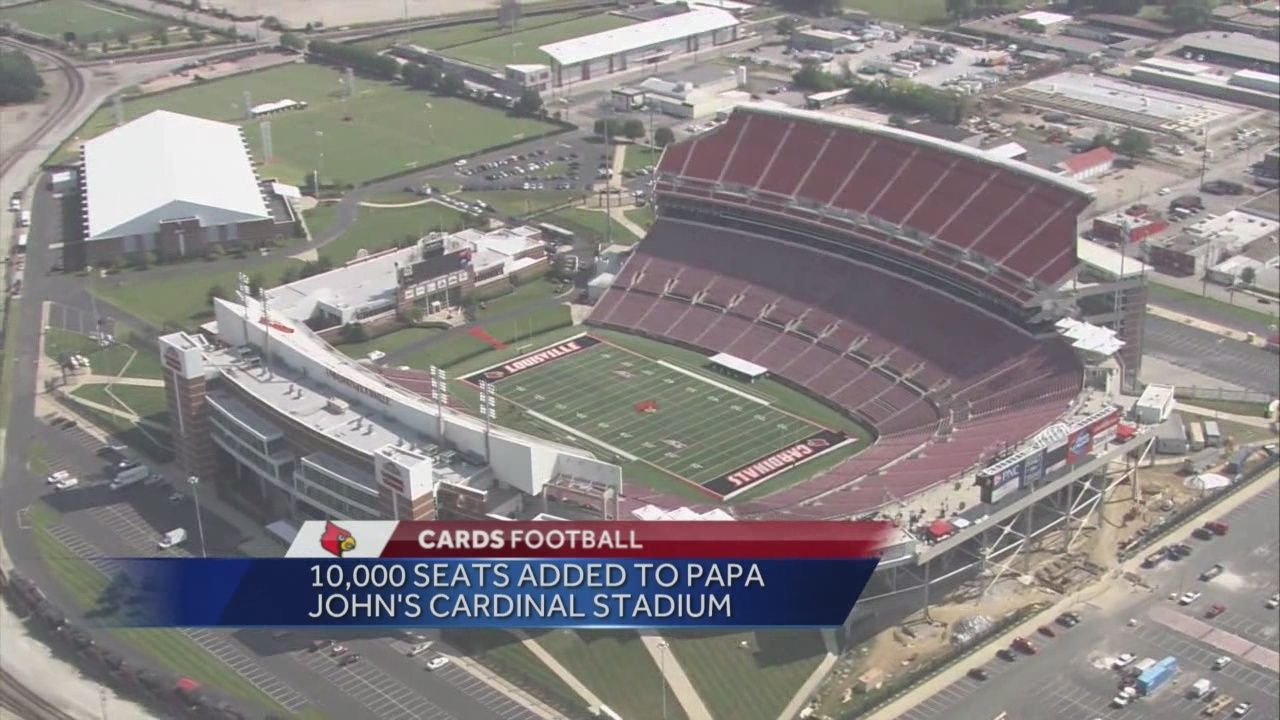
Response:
column 215, row 292
column 1188, row 14
column 160, row 36
column 122, row 37
column 530, row 103
column 452, row 84
column 959, row 8
column 613, row 126
column 509, row 14
column 362, row 60
column 1134, row 143
column 19, row 80
column 1248, row 275
column 898, row 121
column 197, row 33
column 811, row 76
column 786, row 26
column 353, row 333
column 633, row 129
column 663, row 137
column 256, row 283
column 293, row 41
column 813, row 7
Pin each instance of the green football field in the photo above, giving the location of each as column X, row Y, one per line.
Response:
column 712, row 433
column 384, row 128
column 87, row 20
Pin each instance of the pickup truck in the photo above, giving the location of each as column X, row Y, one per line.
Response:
column 1213, row 572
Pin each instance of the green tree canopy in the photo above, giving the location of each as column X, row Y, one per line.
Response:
column 19, row 80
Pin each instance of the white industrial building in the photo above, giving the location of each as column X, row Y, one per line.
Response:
column 639, row 46
column 171, row 184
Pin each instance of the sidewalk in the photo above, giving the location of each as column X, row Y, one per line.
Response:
column 554, row 666
column 1249, row 420
column 1110, row 591
column 801, row 698
column 1205, row 325
column 677, row 682
column 520, row 697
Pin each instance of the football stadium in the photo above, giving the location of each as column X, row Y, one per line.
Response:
column 828, row 320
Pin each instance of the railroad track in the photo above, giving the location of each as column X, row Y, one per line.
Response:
column 75, row 84
column 25, row 704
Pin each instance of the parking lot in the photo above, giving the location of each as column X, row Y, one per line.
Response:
column 1247, row 366
column 1071, row 676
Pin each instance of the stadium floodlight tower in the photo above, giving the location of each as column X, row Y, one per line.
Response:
column 439, row 393
column 489, row 410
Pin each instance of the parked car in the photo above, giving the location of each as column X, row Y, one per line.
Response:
column 1068, row 619
column 337, row 650
column 1202, row 534
column 1215, row 610
column 348, row 660
column 57, row 477
column 1213, row 572
column 66, row 483
column 1242, row 709
column 1006, row 654
column 1024, row 645
column 1188, row 597
column 437, row 662
column 1046, row 631
column 1273, row 602
column 320, row 644
column 1221, row 661
column 1123, row 660
column 979, row 673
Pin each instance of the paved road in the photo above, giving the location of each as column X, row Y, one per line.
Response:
column 1062, row 682
column 1211, row 354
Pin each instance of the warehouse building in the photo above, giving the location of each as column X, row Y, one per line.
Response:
column 1249, row 87
column 1088, row 164
column 1126, row 103
column 1232, row 49
column 640, row 46
column 173, row 185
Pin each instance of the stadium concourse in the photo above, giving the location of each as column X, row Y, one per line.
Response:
column 906, row 280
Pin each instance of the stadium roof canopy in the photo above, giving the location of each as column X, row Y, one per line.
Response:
column 638, row 36
column 167, row 166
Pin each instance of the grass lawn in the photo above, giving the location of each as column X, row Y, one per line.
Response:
column 503, row 653
column 85, row 19
column 1235, row 407
column 148, row 402
column 181, row 300
column 117, row 359
column 320, row 218
column 528, row 293
column 643, row 217
column 640, row 156
column 751, row 683
column 387, row 130
column 590, row 225
column 1211, row 309
column 390, row 342
column 616, row 667
column 156, row 444
column 170, row 649
column 913, row 12
column 519, row 203
column 377, row 229
column 1240, row 433
column 520, row 334
column 522, row 45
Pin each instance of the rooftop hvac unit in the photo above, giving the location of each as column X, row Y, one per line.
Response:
column 337, row 406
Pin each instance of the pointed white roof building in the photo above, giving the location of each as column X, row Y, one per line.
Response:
column 166, row 166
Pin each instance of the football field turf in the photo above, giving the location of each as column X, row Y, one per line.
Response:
column 712, row 433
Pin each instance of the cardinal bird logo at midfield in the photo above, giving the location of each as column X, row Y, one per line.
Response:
column 336, row 540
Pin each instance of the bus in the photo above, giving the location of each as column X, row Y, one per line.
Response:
column 555, row 233
column 1195, row 436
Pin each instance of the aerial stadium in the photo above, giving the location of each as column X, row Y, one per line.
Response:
column 916, row 290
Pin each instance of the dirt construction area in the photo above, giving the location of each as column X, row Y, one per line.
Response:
column 336, row 13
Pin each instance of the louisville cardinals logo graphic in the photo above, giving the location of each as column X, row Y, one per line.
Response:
column 336, row 540
column 817, row 443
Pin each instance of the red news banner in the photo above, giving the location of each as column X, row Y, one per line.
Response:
column 616, row 539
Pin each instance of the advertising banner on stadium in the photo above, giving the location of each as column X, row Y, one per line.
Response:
column 532, row 360
column 775, row 463
column 1055, row 458
column 1079, row 443
column 1003, row 478
column 1103, row 429
column 1033, row 468
column 520, row 575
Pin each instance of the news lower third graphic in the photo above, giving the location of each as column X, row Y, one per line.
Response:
column 519, row 575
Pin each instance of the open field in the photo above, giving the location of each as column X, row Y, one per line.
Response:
column 181, row 300
column 377, row 229
column 516, row 333
column 519, row 203
column 382, row 130
column 147, row 402
column 703, row 430
column 503, row 653
column 591, row 225
column 640, row 156
column 522, row 45
column 754, row 682
column 641, row 216
column 616, row 667
column 117, row 359
column 389, row 342
column 86, row 19
column 912, row 12
column 1211, row 308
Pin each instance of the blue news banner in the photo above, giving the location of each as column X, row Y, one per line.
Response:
column 482, row 592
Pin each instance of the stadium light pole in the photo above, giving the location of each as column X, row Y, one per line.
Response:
column 194, row 482
column 662, row 669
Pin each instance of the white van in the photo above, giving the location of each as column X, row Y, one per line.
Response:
column 173, row 538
